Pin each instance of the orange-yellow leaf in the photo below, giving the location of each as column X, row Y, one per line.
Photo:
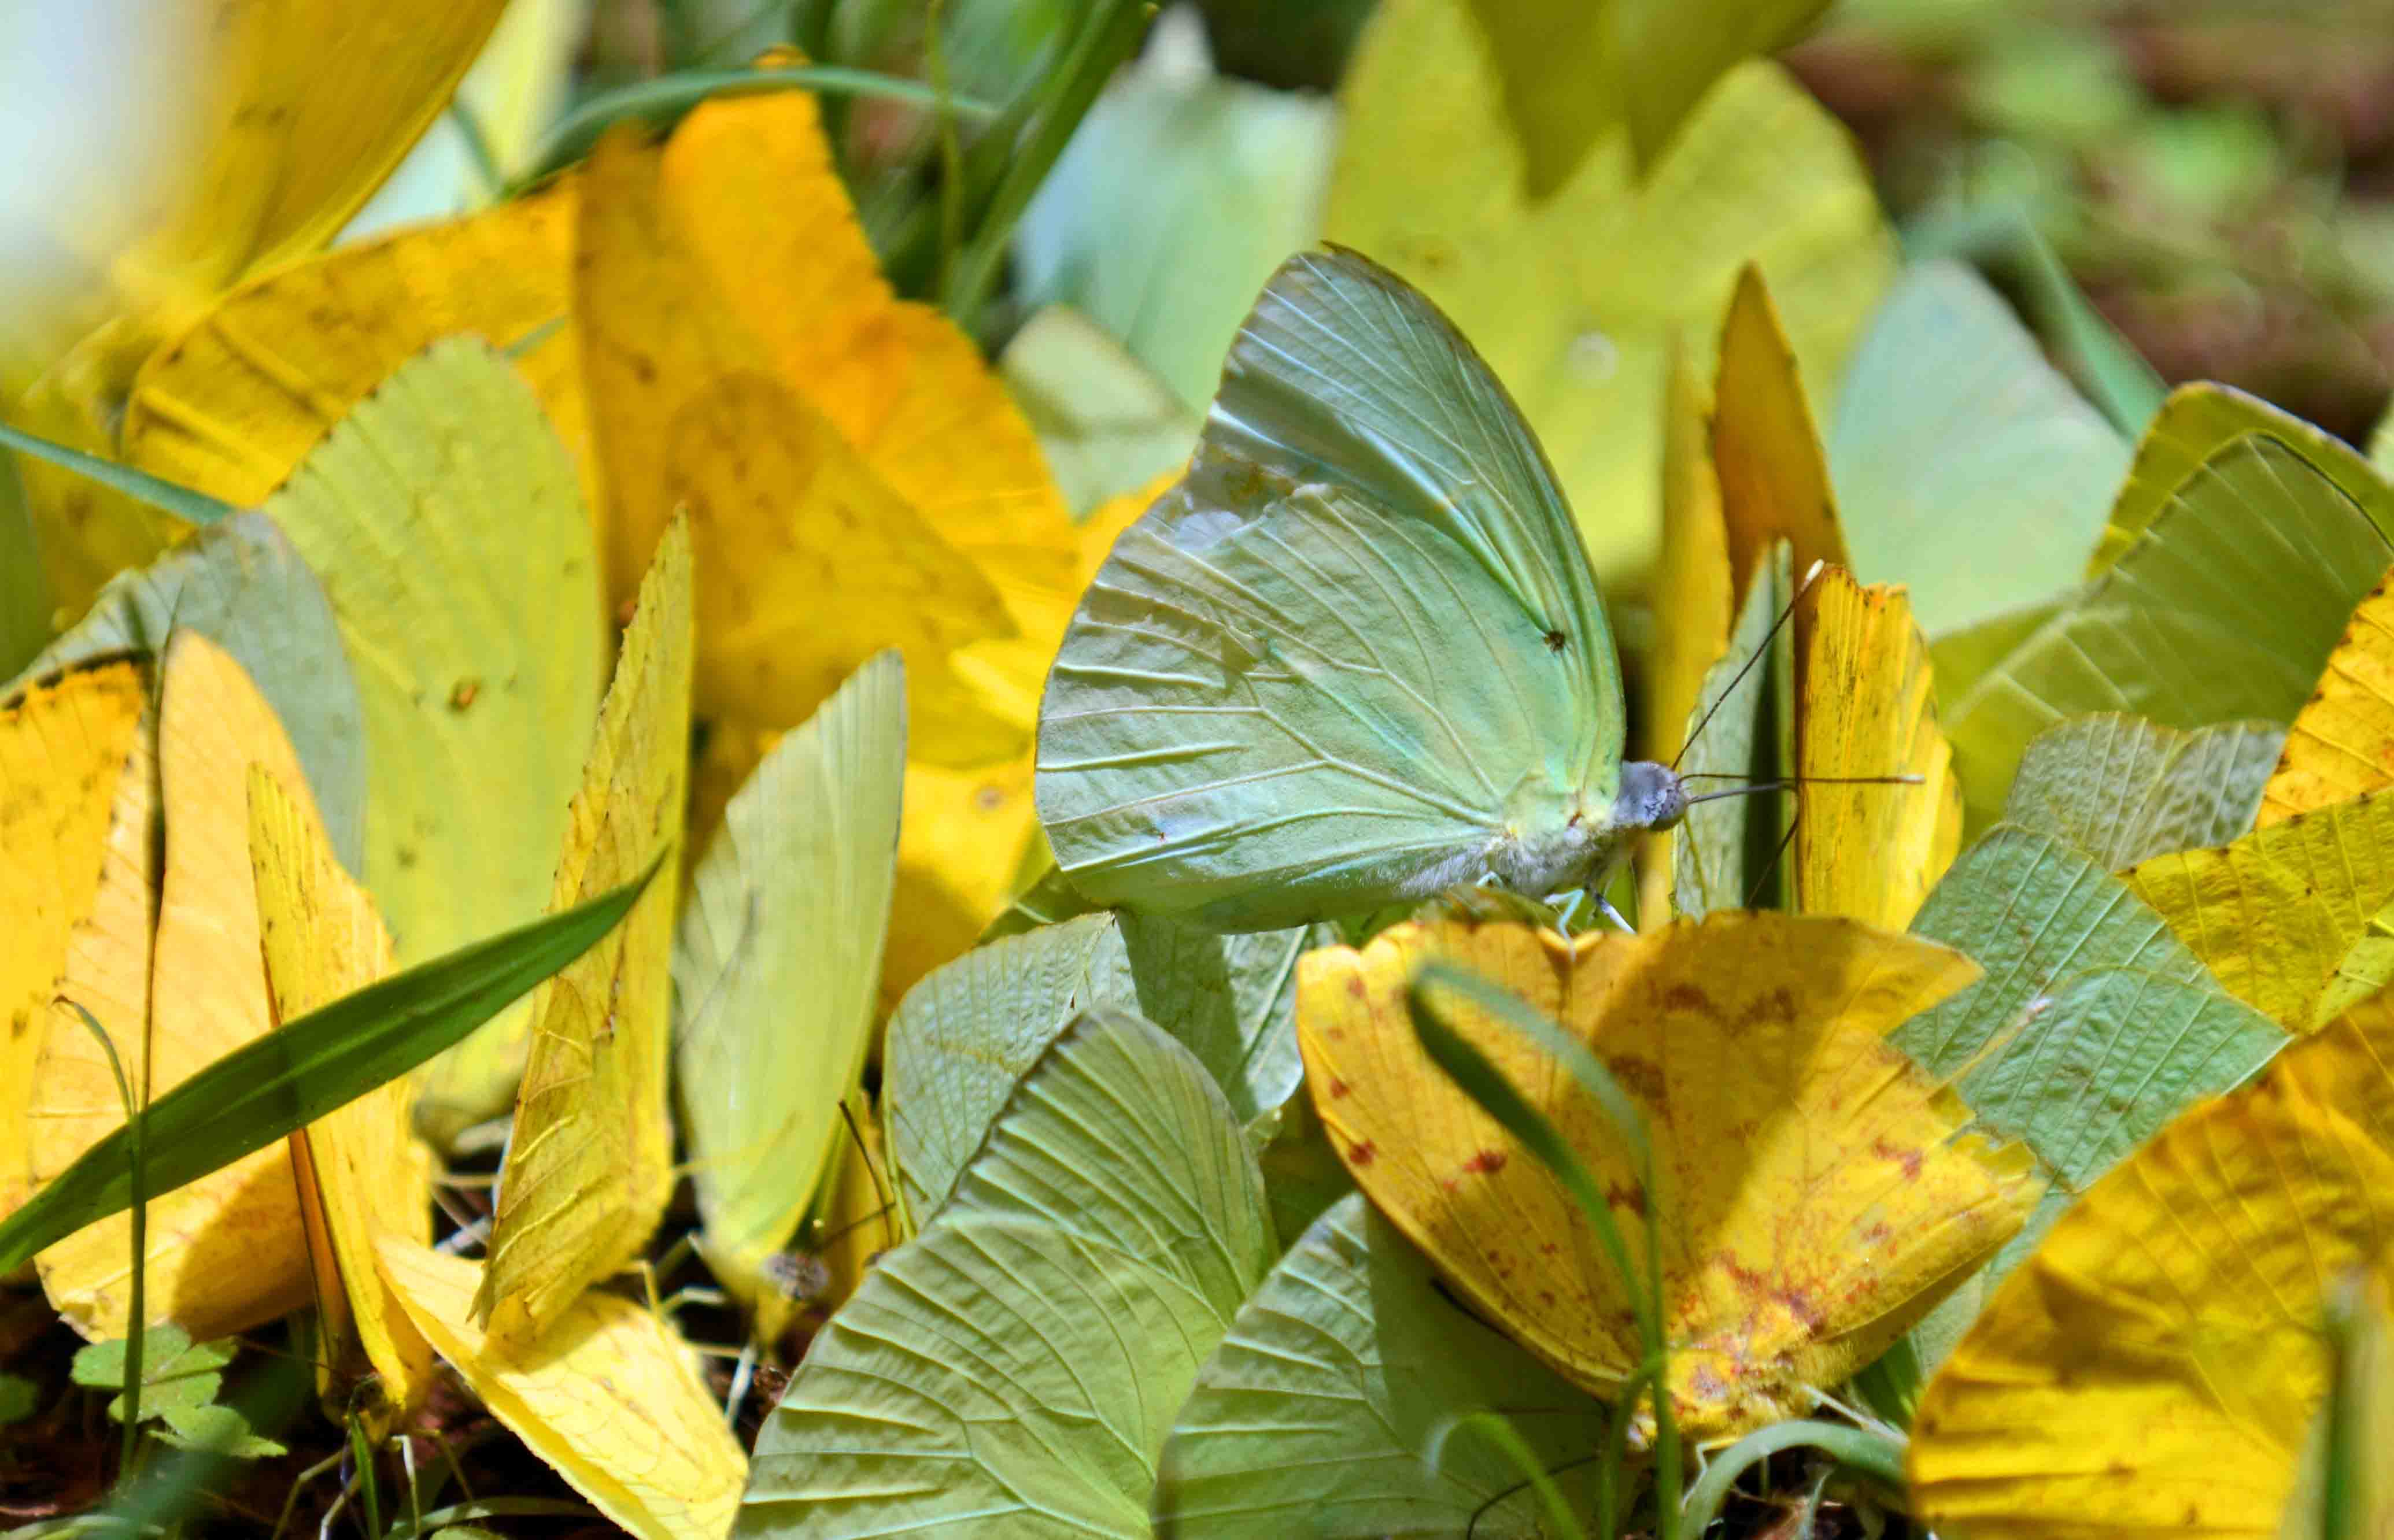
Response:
column 360, row 1174
column 64, row 746
column 751, row 182
column 609, row 1398
column 589, row 1162
column 1774, row 476
column 1816, row 1192
column 228, row 1251
column 1692, row 598
column 2342, row 741
column 2155, row 1364
column 232, row 404
column 808, row 561
column 2277, row 915
column 1866, row 708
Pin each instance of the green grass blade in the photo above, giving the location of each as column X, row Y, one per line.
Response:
column 1500, row 1432
column 287, row 1079
column 1484, row 1084
column 669, row 95
column 133, row 1338
column 1856, row 1450
column 182, row 502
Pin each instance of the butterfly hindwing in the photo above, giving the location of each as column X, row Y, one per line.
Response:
column 1357, row 643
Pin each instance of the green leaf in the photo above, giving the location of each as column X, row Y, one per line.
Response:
column 175, row 1372
column 968, row 1031
column 2094, row 1025
column 20, row 1398
column 2122, row 789
column 1015, row 1369
column 1724, row 848
column 241, row 584
column 477, row 645
column 1672, row 53
column 779, row 947
column 1105, row 423
column 288, row 1078
column 25, row 596
column 1302, row 1171
column 1965, row 467
column 2193, row 426
column 2225, row 607
column 218, row 1431
column 1573, row 69
column 1574, row 302
column 1318, row 1412
column 1049, row 901
column 1180, row 193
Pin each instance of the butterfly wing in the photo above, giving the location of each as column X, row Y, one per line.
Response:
column 1357, row 644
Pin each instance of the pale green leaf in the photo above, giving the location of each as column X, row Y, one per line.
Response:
column 1318, row 1413
column 1557, row 77
column 1013, row 1371
column 2122, row 789
column 1965, row 467
column 2192, row 426
column 1574, row 301
column 1105, row 423
column 2225, row 607
column 1179, row 193
column 968, row 1031
column 1672, row 52
column 1726, row 848
column 176, row 1371
column 240, row 583
column 446, row 522
column 777, row 966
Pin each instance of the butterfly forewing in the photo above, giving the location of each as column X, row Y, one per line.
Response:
column 1357, row 643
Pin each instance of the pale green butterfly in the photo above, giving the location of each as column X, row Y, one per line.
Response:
column 1356, row 656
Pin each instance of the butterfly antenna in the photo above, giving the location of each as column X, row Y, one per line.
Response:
column 864, row 1153
column 1762, row 878
column 1790, row 782
column 1759, row 653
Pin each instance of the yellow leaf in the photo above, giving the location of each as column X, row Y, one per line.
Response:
column 440, row 514
column 1573, row 301
column 228, row 1251
column 63, row 747
column 2342, row 741
column 589, row 1162
column 1692, row 601
column 808, row 560
column 1815, row 1189
column 2154, row 1365
column 232, row 404
column 1774, row 476
column 1866, row 708
column 295, row 112
column 359, row 1176
column 2276, row 915
column 607, row 1398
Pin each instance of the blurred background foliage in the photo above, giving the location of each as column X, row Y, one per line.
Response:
column 2218, row 175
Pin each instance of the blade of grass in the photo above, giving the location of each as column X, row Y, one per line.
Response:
column 1109, row 38
column 669, row 95
column 1485, row 1085
column 1499, row 1432
column 1855, row 1450
column 136, row 1309
column 182, row 502
column 288, row 1078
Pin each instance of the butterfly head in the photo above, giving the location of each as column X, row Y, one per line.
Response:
column 1651, row 796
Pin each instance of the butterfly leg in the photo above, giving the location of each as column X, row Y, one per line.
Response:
column 1604, row 907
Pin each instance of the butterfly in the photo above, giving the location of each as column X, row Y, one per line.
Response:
column 1356, row 656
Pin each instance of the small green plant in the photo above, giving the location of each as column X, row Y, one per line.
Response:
column 180, row 1379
